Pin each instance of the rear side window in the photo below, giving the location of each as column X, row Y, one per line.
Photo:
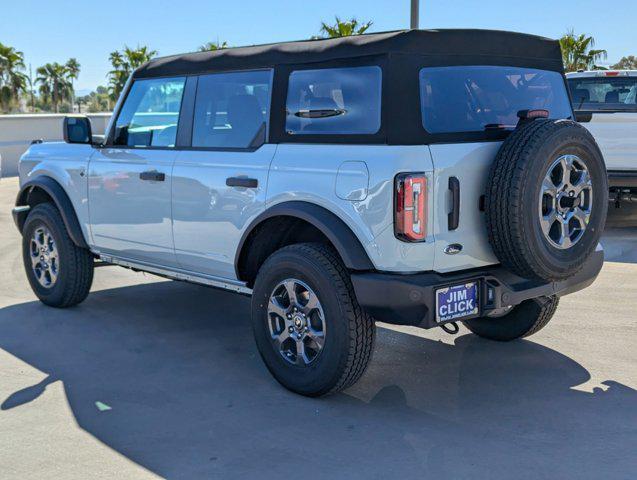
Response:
column 341, row 101
column 479, row 98
column 617, row 94
column 150, row 113
column 232, row 109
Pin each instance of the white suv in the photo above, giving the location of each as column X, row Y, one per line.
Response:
column 416, row 177
column 605, row 102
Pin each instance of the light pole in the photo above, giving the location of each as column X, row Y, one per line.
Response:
column 414, row 14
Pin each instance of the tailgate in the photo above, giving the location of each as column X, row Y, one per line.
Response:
column 469, row 163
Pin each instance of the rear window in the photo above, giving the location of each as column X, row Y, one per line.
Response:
column 604, row 93
column 479, row 98
column 231, row 109
column 334, row 101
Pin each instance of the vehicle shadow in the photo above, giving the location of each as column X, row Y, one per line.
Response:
column 189, row 397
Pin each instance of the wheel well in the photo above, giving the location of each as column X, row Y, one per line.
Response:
column 45, row 189
column 271, row 235
column 36, row 195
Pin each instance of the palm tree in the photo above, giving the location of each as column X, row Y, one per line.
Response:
column 344, row 28
column 55, row 85
column 73, row 69
column 124, row 63
column 13, row 80
column 578, row 52
column 212, row 46
column 626, row 63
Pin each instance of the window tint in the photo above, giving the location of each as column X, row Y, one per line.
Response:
column 150, row 113
column 604, row 93
column 334, row 101
column 231, row 109
column 477, row 98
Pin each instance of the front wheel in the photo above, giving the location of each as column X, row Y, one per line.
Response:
column 60, row 273
column 523, row 321
column 310, row 331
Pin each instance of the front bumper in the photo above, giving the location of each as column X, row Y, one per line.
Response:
column 20, row 215
column 410, row 299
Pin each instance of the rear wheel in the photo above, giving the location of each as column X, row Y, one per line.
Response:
column 60, row 273
column 524, row 320
column 310, row 331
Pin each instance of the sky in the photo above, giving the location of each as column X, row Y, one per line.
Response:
column 55, row 30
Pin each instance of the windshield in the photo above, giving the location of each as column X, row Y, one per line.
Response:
column 477, row 98
column 616, row 94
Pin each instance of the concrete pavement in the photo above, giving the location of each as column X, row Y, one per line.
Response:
column 151, row 378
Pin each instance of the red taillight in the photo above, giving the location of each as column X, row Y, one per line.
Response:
column 611, row 74
column 410, row 207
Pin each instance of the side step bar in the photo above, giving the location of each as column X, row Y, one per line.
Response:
column 181, row 275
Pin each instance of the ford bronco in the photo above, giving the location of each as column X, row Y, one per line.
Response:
column 420, row 178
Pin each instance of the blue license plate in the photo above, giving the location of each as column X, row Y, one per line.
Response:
column 457, row 302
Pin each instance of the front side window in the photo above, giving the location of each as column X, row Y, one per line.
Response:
column 334, row 101
column 618, row 94
column 232, row 109
column 481, row 98
column 150, row 113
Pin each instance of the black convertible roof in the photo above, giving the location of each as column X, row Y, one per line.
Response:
column 459, row 46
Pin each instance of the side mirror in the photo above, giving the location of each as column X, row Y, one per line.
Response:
column 77, row 129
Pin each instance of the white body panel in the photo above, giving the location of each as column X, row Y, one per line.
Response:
column 192, row 222
column 616, row 135
column 66, row 164
column 131, row 217
column 301, row 172
column 209, row 217
column 469, row 163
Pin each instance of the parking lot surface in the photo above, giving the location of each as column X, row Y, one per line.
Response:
column 152, row 378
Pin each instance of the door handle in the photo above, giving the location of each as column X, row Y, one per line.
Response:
column 242, row 182
column 453, row 218
column 153, row 176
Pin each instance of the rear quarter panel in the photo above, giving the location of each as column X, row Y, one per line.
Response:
column 310, row 173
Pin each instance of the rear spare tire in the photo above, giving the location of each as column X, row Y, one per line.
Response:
column 522, row 321
column 546, row 199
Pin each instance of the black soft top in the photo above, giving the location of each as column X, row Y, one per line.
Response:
column 455, row 47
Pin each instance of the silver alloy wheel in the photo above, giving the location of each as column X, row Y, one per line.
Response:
column 566, row 201
column 45, row 260
column 296, row 322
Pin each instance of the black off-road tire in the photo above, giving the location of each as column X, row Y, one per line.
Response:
column 523, row 321
column 350, row 332
column 75, row 274
column 513, row 199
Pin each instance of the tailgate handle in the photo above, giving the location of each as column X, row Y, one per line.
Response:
column 242, row 182
column 453, row 218
column 153, row 176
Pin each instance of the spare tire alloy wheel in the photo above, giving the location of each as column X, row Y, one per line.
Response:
column 566, row 201
column 296, row 322
column 546, row 200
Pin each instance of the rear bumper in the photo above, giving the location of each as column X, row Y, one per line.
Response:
column 622, row 178
column 410, row 299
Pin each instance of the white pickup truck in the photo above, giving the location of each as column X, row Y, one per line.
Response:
column 605, row 102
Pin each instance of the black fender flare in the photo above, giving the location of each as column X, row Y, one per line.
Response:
column 336, row 230
column 62, row 201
